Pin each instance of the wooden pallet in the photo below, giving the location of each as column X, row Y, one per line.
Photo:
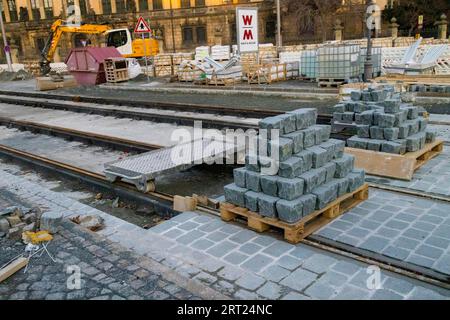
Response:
column 223, row 82
column 395, row 165
column 330, row 83
column 294, row 233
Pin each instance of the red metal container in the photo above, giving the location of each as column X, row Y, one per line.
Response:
column 86, row 64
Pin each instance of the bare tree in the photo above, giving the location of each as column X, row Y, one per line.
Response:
column 312, row 12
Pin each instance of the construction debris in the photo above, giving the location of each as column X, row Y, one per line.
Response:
column 16, row 219
column 51, row 221
column 91, row 222
column 12, row 268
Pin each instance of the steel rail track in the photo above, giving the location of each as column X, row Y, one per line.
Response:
column 163, row 203
column 184, row 107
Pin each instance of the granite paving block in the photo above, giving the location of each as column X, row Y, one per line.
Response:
column 403, row 132
column 271, row 123
column 391, row 147
column 299, row 279
column 253, row 181
column 348, row 117
column 305, row 117
column 239, row 177
column 391, row 133
column 250, row 281
column 363, row 131
column 366, row 96
column 320, row 175
column 391, row 105
column 377, row 133
column 343, row 186
column 335, row 147
column 288, row 124
column 375, row 243
column 355, row 95
column 309, row 137
column 275, row 273
column 413, row 112
column 344, row 165
column 350, row 106
column 267, row 205
column 360, row 107
column 330, row 168
column 291, row 168
column 400, row 118
column 319, row 156
column 268, row 166
column 402, row 143
column 358, row 143
column 235, row 194
column 306, row 157
column 290, row 189
column 413, row 126
column 269, row 185
column 356, row 179
column 297, row 140
column 364, row 118
column 386, row 120
column 339, row 108
column 430, row 136
column 378, row 95
column 374, row 145
column 322, row 133
column 309, row 203
column 422, row 124
column 325, row 194
column 337, row 116
column 413, row 143
column 290, row 211
column 283, row 146
column 251, row 201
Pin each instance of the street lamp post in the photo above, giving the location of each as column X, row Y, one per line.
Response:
column 172, row 26
column 368, row 64
column 279, row 40
column 5, row 42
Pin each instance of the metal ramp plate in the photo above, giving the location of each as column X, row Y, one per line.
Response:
column 141, row 169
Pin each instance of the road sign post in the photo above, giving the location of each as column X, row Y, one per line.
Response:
column 247, row 30
column 142, row 27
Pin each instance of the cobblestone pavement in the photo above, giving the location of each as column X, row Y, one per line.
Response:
column 412, row 229
column 235, row 261
column 108, row 272
column 432, row 178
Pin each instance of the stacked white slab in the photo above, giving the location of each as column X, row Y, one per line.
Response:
column 310, row 172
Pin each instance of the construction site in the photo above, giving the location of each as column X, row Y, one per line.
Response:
column 249, row 171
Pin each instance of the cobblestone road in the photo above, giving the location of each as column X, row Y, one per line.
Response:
column 108, row 271
column 402, row 227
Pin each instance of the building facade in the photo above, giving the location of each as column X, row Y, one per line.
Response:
column 180, row 24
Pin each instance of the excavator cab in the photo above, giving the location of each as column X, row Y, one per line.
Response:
column 121, row 40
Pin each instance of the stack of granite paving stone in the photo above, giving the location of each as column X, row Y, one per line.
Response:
column 429, row 88
column 312, row 170
column 383, row 122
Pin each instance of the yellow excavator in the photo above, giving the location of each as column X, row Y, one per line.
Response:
column 121, row 39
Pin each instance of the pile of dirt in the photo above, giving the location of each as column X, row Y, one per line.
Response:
column 15, row 76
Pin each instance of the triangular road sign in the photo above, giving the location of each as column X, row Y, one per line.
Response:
column 142, row 26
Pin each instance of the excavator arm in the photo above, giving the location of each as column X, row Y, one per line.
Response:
column 57, row 30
